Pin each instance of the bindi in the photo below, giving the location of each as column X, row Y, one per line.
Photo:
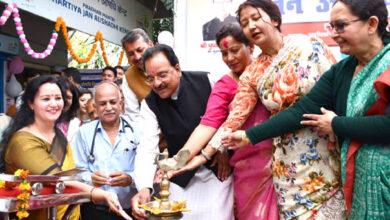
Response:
column 225, row 43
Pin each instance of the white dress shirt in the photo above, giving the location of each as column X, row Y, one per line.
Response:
column 219, row 203
column 145, row 168
column 132, row 105
column 74, row 126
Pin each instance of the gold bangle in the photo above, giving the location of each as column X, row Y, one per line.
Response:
column 90, row 193
column 202, row 152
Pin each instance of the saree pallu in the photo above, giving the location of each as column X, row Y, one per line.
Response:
column 254, row 193
column 253, row 187
column 67, row 165
column 29, row 152
column 371, row 184
column 305, row 171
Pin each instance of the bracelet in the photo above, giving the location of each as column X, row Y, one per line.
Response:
column 205, row 155
column 90, row 193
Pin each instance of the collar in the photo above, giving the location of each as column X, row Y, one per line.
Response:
column 175, row 95
column 121, row 125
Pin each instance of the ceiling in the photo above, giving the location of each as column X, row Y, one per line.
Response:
column 160, row 12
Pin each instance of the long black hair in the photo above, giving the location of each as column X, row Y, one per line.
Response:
column 73, row 73
column 25, row 115
column 74, row 106
column 83, row 91
column 234, row 30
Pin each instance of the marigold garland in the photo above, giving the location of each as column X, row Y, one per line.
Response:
column 24, row 195
column 60, row 23
column 121, row 58
column 99, row 37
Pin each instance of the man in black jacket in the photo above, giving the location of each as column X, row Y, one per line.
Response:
column 174, row 107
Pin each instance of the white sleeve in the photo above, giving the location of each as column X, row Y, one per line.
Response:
column 18, row 102
column 213, row 78
column 144, row 166
column 74, row 126
column 132, row 105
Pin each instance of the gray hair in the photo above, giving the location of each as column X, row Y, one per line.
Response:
column 109, row 83
column 134, row 35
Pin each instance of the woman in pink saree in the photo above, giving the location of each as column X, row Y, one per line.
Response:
column 253, row 187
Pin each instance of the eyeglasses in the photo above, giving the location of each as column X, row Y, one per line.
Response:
column 162, row 76
column 339, row 26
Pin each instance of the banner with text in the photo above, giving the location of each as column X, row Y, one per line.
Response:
column 198, row 21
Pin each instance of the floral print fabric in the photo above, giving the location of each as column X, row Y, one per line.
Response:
column 305, row 170
column 305, row 165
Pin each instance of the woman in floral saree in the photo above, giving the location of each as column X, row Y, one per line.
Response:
column 356, row 92
column 254, row 193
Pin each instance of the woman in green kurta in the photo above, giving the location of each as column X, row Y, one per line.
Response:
column 339, row 104
column 32, row 142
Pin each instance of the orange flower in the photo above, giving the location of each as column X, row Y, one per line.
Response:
column 24, row 174
column 286, row 86
column 312, row 184
column 61, row 25
column 121, row 58
column 279, row 169
column 23, row 205
column 22, row 214
column 99, row 37
column 24, row 194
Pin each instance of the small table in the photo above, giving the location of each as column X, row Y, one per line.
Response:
column 8, row 204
